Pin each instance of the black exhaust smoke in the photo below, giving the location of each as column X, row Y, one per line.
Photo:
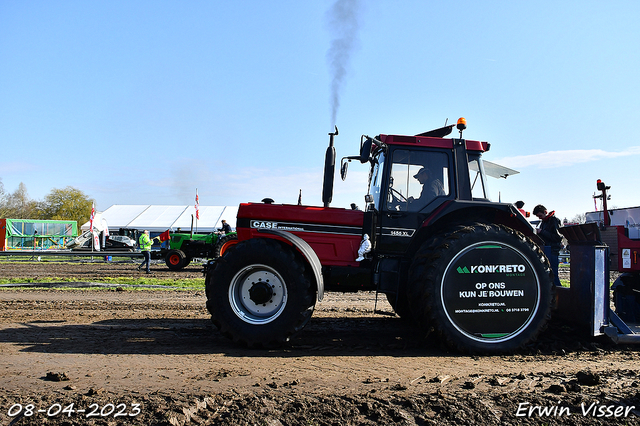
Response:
column 343, row 23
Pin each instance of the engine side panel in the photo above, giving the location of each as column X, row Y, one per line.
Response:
column 334, row 234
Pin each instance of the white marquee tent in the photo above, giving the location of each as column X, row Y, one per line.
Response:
column 160, row 218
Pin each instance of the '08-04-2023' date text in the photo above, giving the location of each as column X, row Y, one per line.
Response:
column 93, row 410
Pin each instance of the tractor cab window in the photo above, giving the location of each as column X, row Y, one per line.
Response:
column 477, row 178
column 375, row 179
column 417, row 178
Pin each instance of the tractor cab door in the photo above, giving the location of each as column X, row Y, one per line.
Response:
column 416, row 183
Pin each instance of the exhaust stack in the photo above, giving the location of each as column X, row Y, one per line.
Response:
column 329, row 170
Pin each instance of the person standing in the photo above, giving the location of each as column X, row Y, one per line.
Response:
column 549, row 231
column 145, row 247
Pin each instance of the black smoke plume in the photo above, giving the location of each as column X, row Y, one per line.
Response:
column 343, row 24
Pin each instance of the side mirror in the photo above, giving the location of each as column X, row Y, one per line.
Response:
column 343, row 169
column 344, row 164
column 365, row 151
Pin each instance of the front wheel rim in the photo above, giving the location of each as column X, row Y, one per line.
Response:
column 254, row 309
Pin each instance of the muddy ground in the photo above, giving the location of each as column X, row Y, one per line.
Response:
column 153, row 358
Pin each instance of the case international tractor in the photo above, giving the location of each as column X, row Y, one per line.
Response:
column 445, row 256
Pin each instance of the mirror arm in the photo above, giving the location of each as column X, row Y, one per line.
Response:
column 375, row 141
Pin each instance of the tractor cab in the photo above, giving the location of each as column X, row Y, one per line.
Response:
column 415, row 180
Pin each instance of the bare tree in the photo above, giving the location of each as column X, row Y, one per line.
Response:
column 60, row 204
column 17, row 205
column 2, row 200
column 579, row 218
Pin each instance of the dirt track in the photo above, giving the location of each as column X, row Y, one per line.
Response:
column 158, row 349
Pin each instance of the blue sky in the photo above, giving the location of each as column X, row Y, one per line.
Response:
column 143, row 102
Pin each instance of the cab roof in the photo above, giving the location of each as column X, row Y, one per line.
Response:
column 431, row 142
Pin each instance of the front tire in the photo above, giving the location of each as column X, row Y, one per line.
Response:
column 176, row 260
column 260, row 293
column 485, row 288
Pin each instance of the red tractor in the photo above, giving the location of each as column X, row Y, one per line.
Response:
column 619, row 229
column 429, row 238
column 608, row 241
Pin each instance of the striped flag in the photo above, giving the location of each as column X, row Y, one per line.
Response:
column 93, row 214
column 197, row 206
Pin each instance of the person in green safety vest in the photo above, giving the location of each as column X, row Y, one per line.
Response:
column 145, row 247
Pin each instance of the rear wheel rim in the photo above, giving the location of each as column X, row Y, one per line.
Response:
column 254, row 279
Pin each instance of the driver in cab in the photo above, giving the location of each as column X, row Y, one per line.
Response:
column 431, row 188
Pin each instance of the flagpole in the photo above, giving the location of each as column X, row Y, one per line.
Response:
column 197, row 210
column 93, row 212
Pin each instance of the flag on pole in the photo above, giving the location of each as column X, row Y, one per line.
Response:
column 164, row 236
column 197, row 206
column 93, row 214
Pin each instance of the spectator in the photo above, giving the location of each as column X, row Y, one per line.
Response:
column 549, row 231
column 145, row 247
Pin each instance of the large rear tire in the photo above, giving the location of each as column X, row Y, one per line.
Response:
column 176, row 260
column 224, row 244
column 260, row 293
column 485, row 288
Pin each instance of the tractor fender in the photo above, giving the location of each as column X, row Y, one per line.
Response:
column 306, row 251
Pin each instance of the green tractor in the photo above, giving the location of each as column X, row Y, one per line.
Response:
column 183, row 247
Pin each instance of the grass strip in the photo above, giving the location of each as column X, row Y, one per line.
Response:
column 183, row 284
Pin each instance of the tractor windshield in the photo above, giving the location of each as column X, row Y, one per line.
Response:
column 375, row 178
column 417, row 178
